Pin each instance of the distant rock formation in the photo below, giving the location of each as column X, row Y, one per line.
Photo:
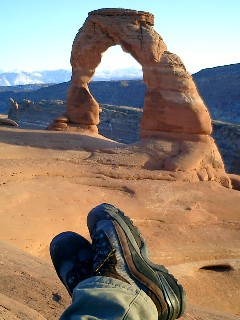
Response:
column 8, row 122
column 13, row 105
column 30, row 114
column 4, row 120
column 173, row 110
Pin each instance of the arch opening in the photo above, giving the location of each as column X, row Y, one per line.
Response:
column 118, row 87
column 171, row 101
column 117, row 65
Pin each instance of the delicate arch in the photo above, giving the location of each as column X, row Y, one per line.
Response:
column 172, row 103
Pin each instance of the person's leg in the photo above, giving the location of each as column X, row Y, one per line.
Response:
column 109, row 299
column 121, row 283
column 96, row 297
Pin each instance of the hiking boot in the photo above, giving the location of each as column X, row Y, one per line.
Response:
column 121, row 252
column 72, row 258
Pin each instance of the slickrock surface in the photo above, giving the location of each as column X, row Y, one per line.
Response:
column 50, row 180
column 32, row 291
column 28, row 287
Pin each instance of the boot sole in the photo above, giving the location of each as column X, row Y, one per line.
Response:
column 176, row 308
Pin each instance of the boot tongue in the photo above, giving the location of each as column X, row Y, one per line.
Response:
column 109, row 260
column 102, row 250
column 105, row 260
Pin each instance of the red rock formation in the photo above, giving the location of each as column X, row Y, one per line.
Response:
column 172, row 102
column 173, row 110
column 104, row 28
column 235, row 179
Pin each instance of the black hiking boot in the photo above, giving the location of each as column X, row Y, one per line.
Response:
column 72, row 258
column 120, row 252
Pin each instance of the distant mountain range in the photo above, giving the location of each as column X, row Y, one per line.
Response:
column 58, row 76
column 36, row 77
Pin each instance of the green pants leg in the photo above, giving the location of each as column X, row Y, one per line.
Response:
column 109, row 299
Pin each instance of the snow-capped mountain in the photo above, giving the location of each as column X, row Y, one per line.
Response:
column 130, row 73
column 36, row 77
column 58, row 76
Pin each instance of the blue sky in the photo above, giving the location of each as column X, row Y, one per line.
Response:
column 38, row 34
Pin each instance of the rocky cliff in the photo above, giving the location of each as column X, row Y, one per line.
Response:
column 219, row 88
column 227, row 136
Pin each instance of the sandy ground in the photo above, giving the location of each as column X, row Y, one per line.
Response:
column 48, row 183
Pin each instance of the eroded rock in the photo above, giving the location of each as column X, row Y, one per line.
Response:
column 235, row 179
column 173, row 109
column 8, row 122
column 172, row 102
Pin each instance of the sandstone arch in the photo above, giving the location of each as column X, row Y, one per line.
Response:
column 171, row 103
column 173, row 110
